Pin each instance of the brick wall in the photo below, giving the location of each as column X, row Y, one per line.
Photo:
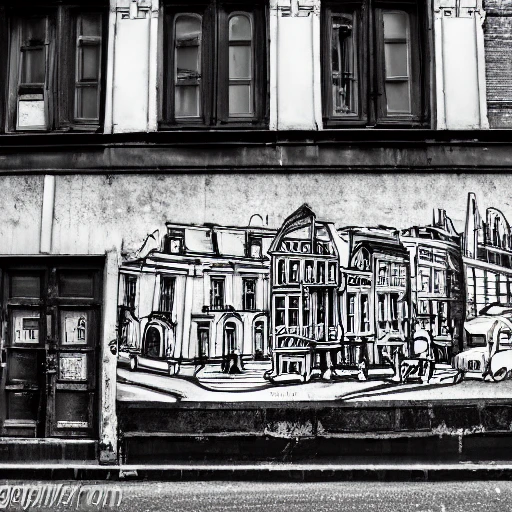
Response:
column 498, row 60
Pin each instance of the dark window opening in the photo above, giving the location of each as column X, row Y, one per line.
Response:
column 130, row 290
column 56, row 69
column 215, row 65
column 166, row 294
column 217, row 293
column 374, row 59
column 153, row 342
column 249, row 296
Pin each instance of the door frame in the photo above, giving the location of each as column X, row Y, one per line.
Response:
column 50, row 304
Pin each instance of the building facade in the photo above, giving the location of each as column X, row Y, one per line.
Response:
column 306, row 331
column 118, row 115
column 486, row 255
column 437, row 285
column 376, row 294
column 202, row 296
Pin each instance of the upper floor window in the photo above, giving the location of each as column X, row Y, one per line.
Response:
column 255, row 249
column 374, row 63
column 130, row 291
column 55, row 69
column 166, row 293
column 249, row 294
column 215, row 65
column 281, row 272
column 217, row 292
column 174, row 239
column 294, row 271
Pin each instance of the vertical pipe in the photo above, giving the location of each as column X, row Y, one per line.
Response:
column 108, row 126
column 47, row 214
column 274, row 40
column 317, row 84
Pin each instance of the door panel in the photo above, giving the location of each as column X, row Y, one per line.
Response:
column 24, row 386
column 50, row 335
column 73, row 383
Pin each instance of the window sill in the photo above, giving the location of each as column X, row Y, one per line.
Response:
column 235, row 126
column 384, row 125
column 67, row 129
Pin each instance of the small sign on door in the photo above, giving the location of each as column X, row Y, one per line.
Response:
column 73, row 366
column 74, row 328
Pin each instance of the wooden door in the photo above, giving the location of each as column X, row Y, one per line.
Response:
column 52, row 316
column 23, row 333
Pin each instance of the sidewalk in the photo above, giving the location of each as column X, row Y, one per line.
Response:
column 389, row 470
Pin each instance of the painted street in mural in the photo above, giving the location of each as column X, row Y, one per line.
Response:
column 311, row 311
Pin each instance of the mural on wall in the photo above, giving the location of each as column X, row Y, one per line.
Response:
column 315, row 311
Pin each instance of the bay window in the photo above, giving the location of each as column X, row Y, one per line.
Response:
column 374, row 63
column 55, row 65
column 214, row 65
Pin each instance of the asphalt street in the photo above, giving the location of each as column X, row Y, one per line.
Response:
column 302, row 497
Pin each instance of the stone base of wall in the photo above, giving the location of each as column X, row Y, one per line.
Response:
column 329, row 435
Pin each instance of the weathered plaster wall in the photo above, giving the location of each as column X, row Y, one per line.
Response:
column 96, row 213
column 20, row 207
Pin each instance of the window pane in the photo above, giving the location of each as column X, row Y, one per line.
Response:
column 240, row 99
column 188, row 28
column 397, row 95
column 76, row 284
column 89, row 59
column 187, row 72
column 33, row 66
column 239, row 28
column 71, row 406
column 90, row 24
column 187, row 101
column 34, row 31
column 344, row 65
column 187, row 61
column 240, row 64
column 22, row 366
column 22, row 406
column 397, row 60
column 25, row 286
column 395, row 25
column 87, row 103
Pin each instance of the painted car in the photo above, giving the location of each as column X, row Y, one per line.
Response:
column 490, row 354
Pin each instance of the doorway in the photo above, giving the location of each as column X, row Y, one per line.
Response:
column 51, row 311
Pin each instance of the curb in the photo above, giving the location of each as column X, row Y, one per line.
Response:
column 263, row 472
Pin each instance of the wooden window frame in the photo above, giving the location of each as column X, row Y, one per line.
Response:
column 61, row 69
column 167, row 294
column 215, row 69
column 218, row 290
column 247, row 295
column 130, row 291
column 370, row 64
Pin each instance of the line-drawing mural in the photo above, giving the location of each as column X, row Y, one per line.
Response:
column 314, row 311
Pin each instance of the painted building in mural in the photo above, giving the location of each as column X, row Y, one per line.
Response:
column 120, row 115
column 487, row 252
column 202, row 296
column 437, row 284
column 376, row 300
column 306, row 328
